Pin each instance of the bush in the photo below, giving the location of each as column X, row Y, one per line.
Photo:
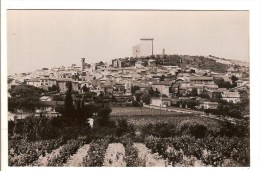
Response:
column 123, row 127
column 103, row 131
column 159, row 130
column 104, row 115
column 58, row 98
column 196, row 129
column 229, row 129
column 34, row 128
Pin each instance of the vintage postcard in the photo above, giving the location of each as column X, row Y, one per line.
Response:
column 128, row 88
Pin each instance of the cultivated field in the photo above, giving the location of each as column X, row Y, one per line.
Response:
column 154, row 152
column 137, row 137
column 125, row 111
column 143, row 116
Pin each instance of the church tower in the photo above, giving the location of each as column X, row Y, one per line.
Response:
column 83, row 63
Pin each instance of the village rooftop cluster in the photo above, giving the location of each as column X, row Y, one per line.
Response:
column 143, row 80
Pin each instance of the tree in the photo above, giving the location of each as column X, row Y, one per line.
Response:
column 134, row 89
column 194, row 92
column 101, row 63
column 57, row 98
column 223, row 84
column 113, row 99
column 237, row 110
column 28, row 104
column 151, row 91
column 85, row 88
column 101, row 94
column 54, row 88
column 123, row 127
column 24, row 97
column 89, row 94
column 138, row 95
column 162, row 78
column 234, row 79
column 146, row 99
column 192, row 103
column 104, row 115
column 156, row 93
column 164, row 95
column 68, row 100
column 236, row 66
column 26, row 91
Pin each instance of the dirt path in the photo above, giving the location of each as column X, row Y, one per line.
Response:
column 77, row 159
column 152, row 160
column 114, row 156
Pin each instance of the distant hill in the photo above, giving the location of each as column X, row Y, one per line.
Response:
column 229, row 61
column 202, row 62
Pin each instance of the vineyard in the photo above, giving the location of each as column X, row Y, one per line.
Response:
column 179, row 140
column 132, row 111
column 181, row 151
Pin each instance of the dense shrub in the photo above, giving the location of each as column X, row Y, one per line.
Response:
column 123, row 127
column 23, row 153
column 103, row 131
column 26, row 104
column 104, row 115
column 157, row 145
column 229, row 129
column 212, row 151
column 192, row 128
column 159, row 130
column 58, row 98
column 43, row 128
column 35, row 128
column 125, row 140
column 11, row 128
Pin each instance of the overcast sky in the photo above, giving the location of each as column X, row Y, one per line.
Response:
column 48, row 38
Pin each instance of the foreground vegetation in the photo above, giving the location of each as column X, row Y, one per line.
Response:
column 177, row 139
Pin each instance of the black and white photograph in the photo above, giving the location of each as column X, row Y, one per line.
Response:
column 128, row 88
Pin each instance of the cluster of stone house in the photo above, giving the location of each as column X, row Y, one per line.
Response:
column 118, row 78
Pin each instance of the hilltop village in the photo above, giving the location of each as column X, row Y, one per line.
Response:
column 111, row 114
column 191, row 82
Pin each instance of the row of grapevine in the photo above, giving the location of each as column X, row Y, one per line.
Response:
column 66, row 152
column 23, row 153
column 77, row 159
column 96, row 154
column 98, row 151
column 132, row 158
column 131, row 153
column 211, row 151
column 175, row 151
